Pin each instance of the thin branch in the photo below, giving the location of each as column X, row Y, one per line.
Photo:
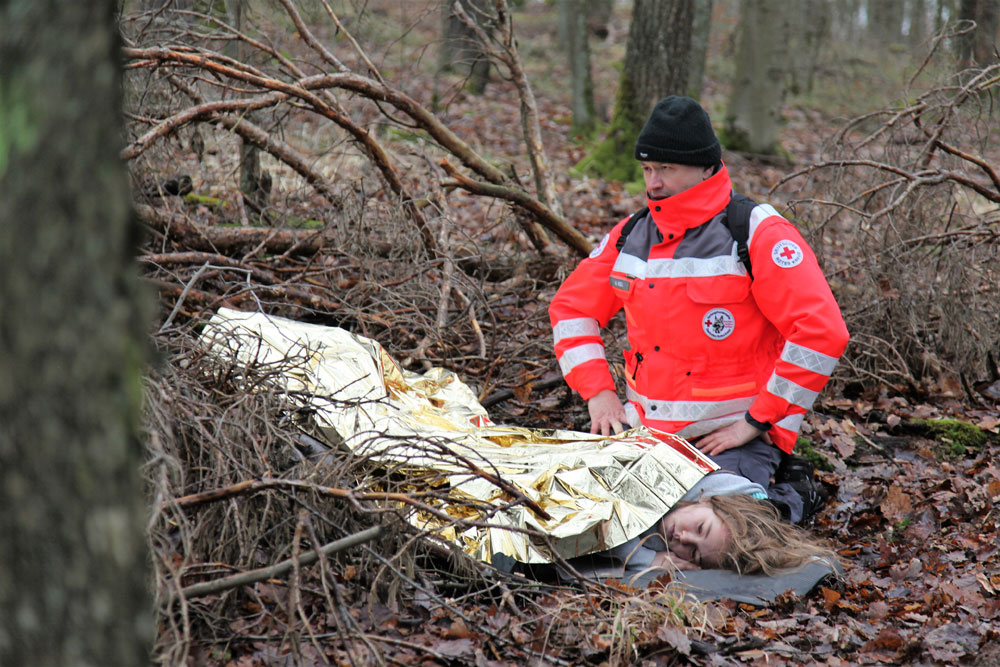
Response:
column 180, row 299
column 979, row 162
column 530, row 126
column 569, row 235
column 368, row 144
column 308, row 37
column 253, row 486
column 276, row 570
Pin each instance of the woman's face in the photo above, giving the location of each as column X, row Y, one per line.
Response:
column 696, row 534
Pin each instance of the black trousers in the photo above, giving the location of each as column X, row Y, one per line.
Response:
column 757, row 461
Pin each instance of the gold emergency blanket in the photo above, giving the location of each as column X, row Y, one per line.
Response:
column 598, row 491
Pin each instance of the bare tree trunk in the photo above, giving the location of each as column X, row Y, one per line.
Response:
column 809, row 31
column 255, row 184
column 460, row 49
column 657, row 56
column 917, row 13
column 754, row 115
column 73, row 583
column 885, row 21
column 701, row 28
column 578, row 48
column 656, row 65
column 977, row 48
column 846, row 20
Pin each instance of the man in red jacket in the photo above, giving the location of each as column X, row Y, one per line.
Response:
column 729, row 360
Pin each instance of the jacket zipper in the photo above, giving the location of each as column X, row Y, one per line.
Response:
column 638, row 360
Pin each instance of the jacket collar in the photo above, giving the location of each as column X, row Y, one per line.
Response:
column 693, row 207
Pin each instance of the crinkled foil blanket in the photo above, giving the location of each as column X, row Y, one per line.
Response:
column 598, row 491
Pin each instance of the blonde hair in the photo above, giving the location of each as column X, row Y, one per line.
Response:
column 761, row 541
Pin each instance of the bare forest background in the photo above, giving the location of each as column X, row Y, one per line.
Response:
column 425, row 174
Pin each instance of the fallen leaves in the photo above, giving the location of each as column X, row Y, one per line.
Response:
column 896, row 504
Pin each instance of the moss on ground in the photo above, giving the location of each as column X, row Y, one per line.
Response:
column 205, row 200
column 956, row 436
column 305, row 223
column 806, row 450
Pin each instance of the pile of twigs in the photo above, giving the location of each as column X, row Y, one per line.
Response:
column 909, row 225
column 268, row 539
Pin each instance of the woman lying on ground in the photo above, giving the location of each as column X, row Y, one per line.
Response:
column 723, row 522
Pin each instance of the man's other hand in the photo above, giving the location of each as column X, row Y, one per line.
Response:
column 736, row 434
column 607, row 414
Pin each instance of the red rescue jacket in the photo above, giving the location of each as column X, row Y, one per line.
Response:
column 708, row 344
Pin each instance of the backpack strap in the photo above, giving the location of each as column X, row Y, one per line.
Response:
column 627, row 229
column 738, row 221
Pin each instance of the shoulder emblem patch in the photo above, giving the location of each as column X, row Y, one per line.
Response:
column 718, row 323
column 600, row 247
column 786, row 254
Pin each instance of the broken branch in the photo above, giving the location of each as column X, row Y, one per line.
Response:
column 276, row 570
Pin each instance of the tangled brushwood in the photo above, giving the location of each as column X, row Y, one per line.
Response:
column 909, row 229
column 266, row 538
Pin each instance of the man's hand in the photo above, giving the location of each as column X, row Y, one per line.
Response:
column 736, row 434
column 607, row 414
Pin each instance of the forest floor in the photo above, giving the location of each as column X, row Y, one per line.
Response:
column 913, row 477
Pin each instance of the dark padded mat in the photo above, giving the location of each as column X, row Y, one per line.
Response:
column 703, row 585
column 758, row 590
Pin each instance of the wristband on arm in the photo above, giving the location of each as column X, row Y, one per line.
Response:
column 763, row 426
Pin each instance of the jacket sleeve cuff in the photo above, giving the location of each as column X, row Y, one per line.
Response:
column 590, row 392
column 763, row 426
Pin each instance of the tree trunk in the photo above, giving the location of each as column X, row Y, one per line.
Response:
column 845, row 20
column 701, row 28
column 754, row 115
column 657, row 56
column 657, row 61
column 885, row 21
column 917, row 13
column 254, row 183
column 73, row 581
column 944, row 12
column 459, row 50
column 975, row 49
column 581, row 79
column 806, row 38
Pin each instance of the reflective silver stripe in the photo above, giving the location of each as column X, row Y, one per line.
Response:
column 575, row 356
column 631, row 416
column 578, row 326
column 791, row 392
column 791, row 422
column 695, row 267
column 684, row 267
column 811, row 360
column 689, row 411
column 757, row 216
column 630, row 265
column 701, row 428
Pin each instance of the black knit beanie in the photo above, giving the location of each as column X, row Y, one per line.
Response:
column 678, row 131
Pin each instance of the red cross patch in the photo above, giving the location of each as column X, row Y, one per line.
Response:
column 786, row 254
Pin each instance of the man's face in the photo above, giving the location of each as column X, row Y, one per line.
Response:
column 664, row 179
